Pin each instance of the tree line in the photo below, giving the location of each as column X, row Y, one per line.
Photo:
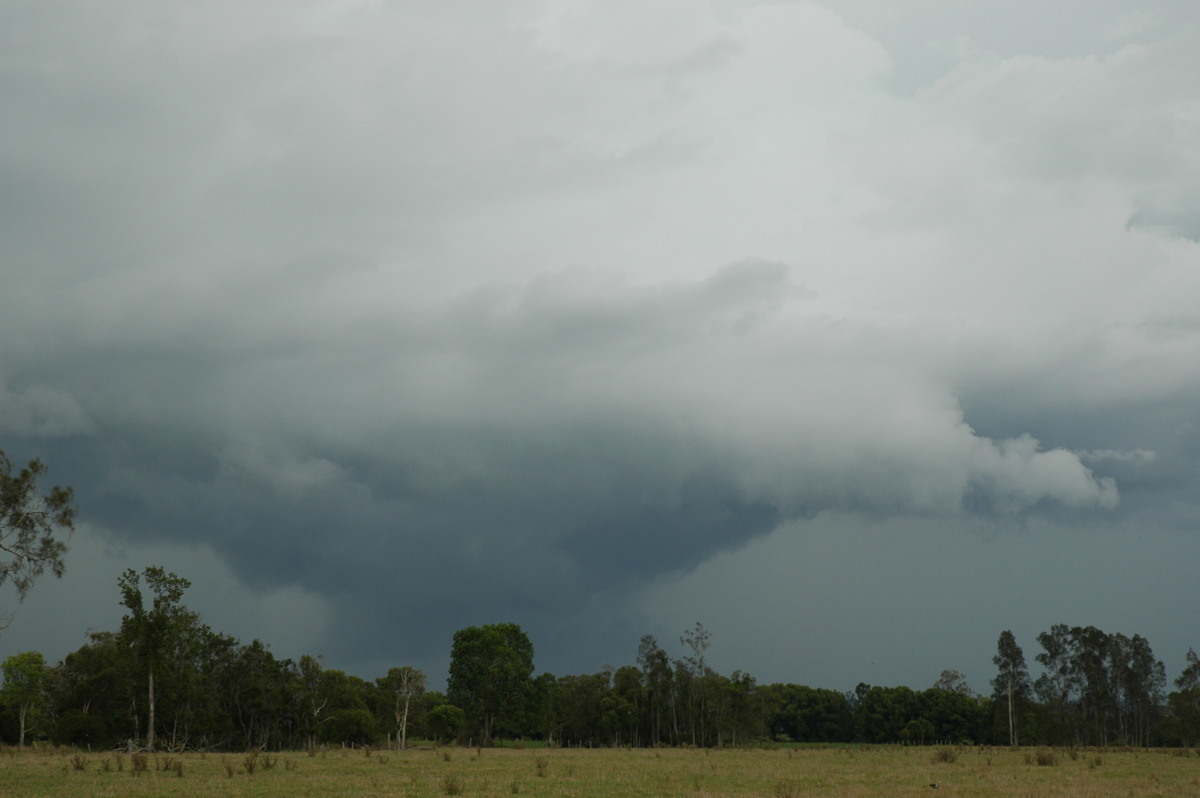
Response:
column 164, row 679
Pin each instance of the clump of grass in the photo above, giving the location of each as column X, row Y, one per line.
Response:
column 178, row 768
column 230, row 768
column 541, row 763
column 140, row 763
column 164, row 764
column 945, row 755
column 269, row 760
column 1045, row 758
column 79, row 762
column 785, row 789
column 453, row 785
column 106, row 764
column 381, row 759
column 514, row 787
column 250, row 762
column 445, row 756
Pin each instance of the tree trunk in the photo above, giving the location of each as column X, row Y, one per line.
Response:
column 1012, row 731
column 150, row 698
column 404, row 725
column 21, row 738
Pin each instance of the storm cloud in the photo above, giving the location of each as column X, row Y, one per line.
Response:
column 542, row 313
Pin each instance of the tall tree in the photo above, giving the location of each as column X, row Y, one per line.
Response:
column 656, row 672
column 1185, row 702
column 1012, row 681
column 402, row 685
column 491, row 676
column 32, row 526
column 694, row 673
column 151, row 630
column 25, row 688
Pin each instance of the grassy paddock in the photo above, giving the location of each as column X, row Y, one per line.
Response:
column 780, row 772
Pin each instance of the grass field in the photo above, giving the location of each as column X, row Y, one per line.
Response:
column 778, row 772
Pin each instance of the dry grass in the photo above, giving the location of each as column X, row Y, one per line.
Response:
column 843, row 771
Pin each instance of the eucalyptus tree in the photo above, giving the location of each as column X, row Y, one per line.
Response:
column 402, row 685
column 25, row 688
column 658, row 681
column 32, row 527
column 93, row 693
column 1012, row 681
column 152, row 631
column 1185, row 702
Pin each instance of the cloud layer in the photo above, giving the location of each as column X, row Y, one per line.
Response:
column 448, row 318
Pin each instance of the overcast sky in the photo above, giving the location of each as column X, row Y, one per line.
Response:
column 857, row 330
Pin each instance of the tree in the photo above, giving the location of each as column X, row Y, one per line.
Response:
column 151, row 631
column 25, row 687
column 94, row 691
column 954, row 682
column 1012, row 680
column 403, row 685
column 31, row 526
column 491, row 677
column 656, row 672
column 694, row 673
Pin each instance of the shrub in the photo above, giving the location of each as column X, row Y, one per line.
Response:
column 784, row 789
column 945, row 755
column 453, row 785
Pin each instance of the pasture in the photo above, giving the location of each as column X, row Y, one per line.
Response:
column 780, row 772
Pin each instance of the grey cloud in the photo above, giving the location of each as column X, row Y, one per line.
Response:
column 39, row 410
column 422, row 315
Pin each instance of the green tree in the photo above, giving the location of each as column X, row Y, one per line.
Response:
column 1185, row 703
column 32, row 525
column 658, row 681
column 445, row 722
column 93, row 692
column 491, row 677
column 153, row 630
column 1011, row 682
column 25, row 688
column 402, row 685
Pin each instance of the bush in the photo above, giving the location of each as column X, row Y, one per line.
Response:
column 945, row 755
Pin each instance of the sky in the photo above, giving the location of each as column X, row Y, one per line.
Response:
column 857, row 331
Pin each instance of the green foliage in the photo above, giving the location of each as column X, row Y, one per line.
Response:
column 161, row 635
column 31, row 526
column 25, row 689
column 403, row 686
column 1098, row 688
column 446, row 722
column 491, row 679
